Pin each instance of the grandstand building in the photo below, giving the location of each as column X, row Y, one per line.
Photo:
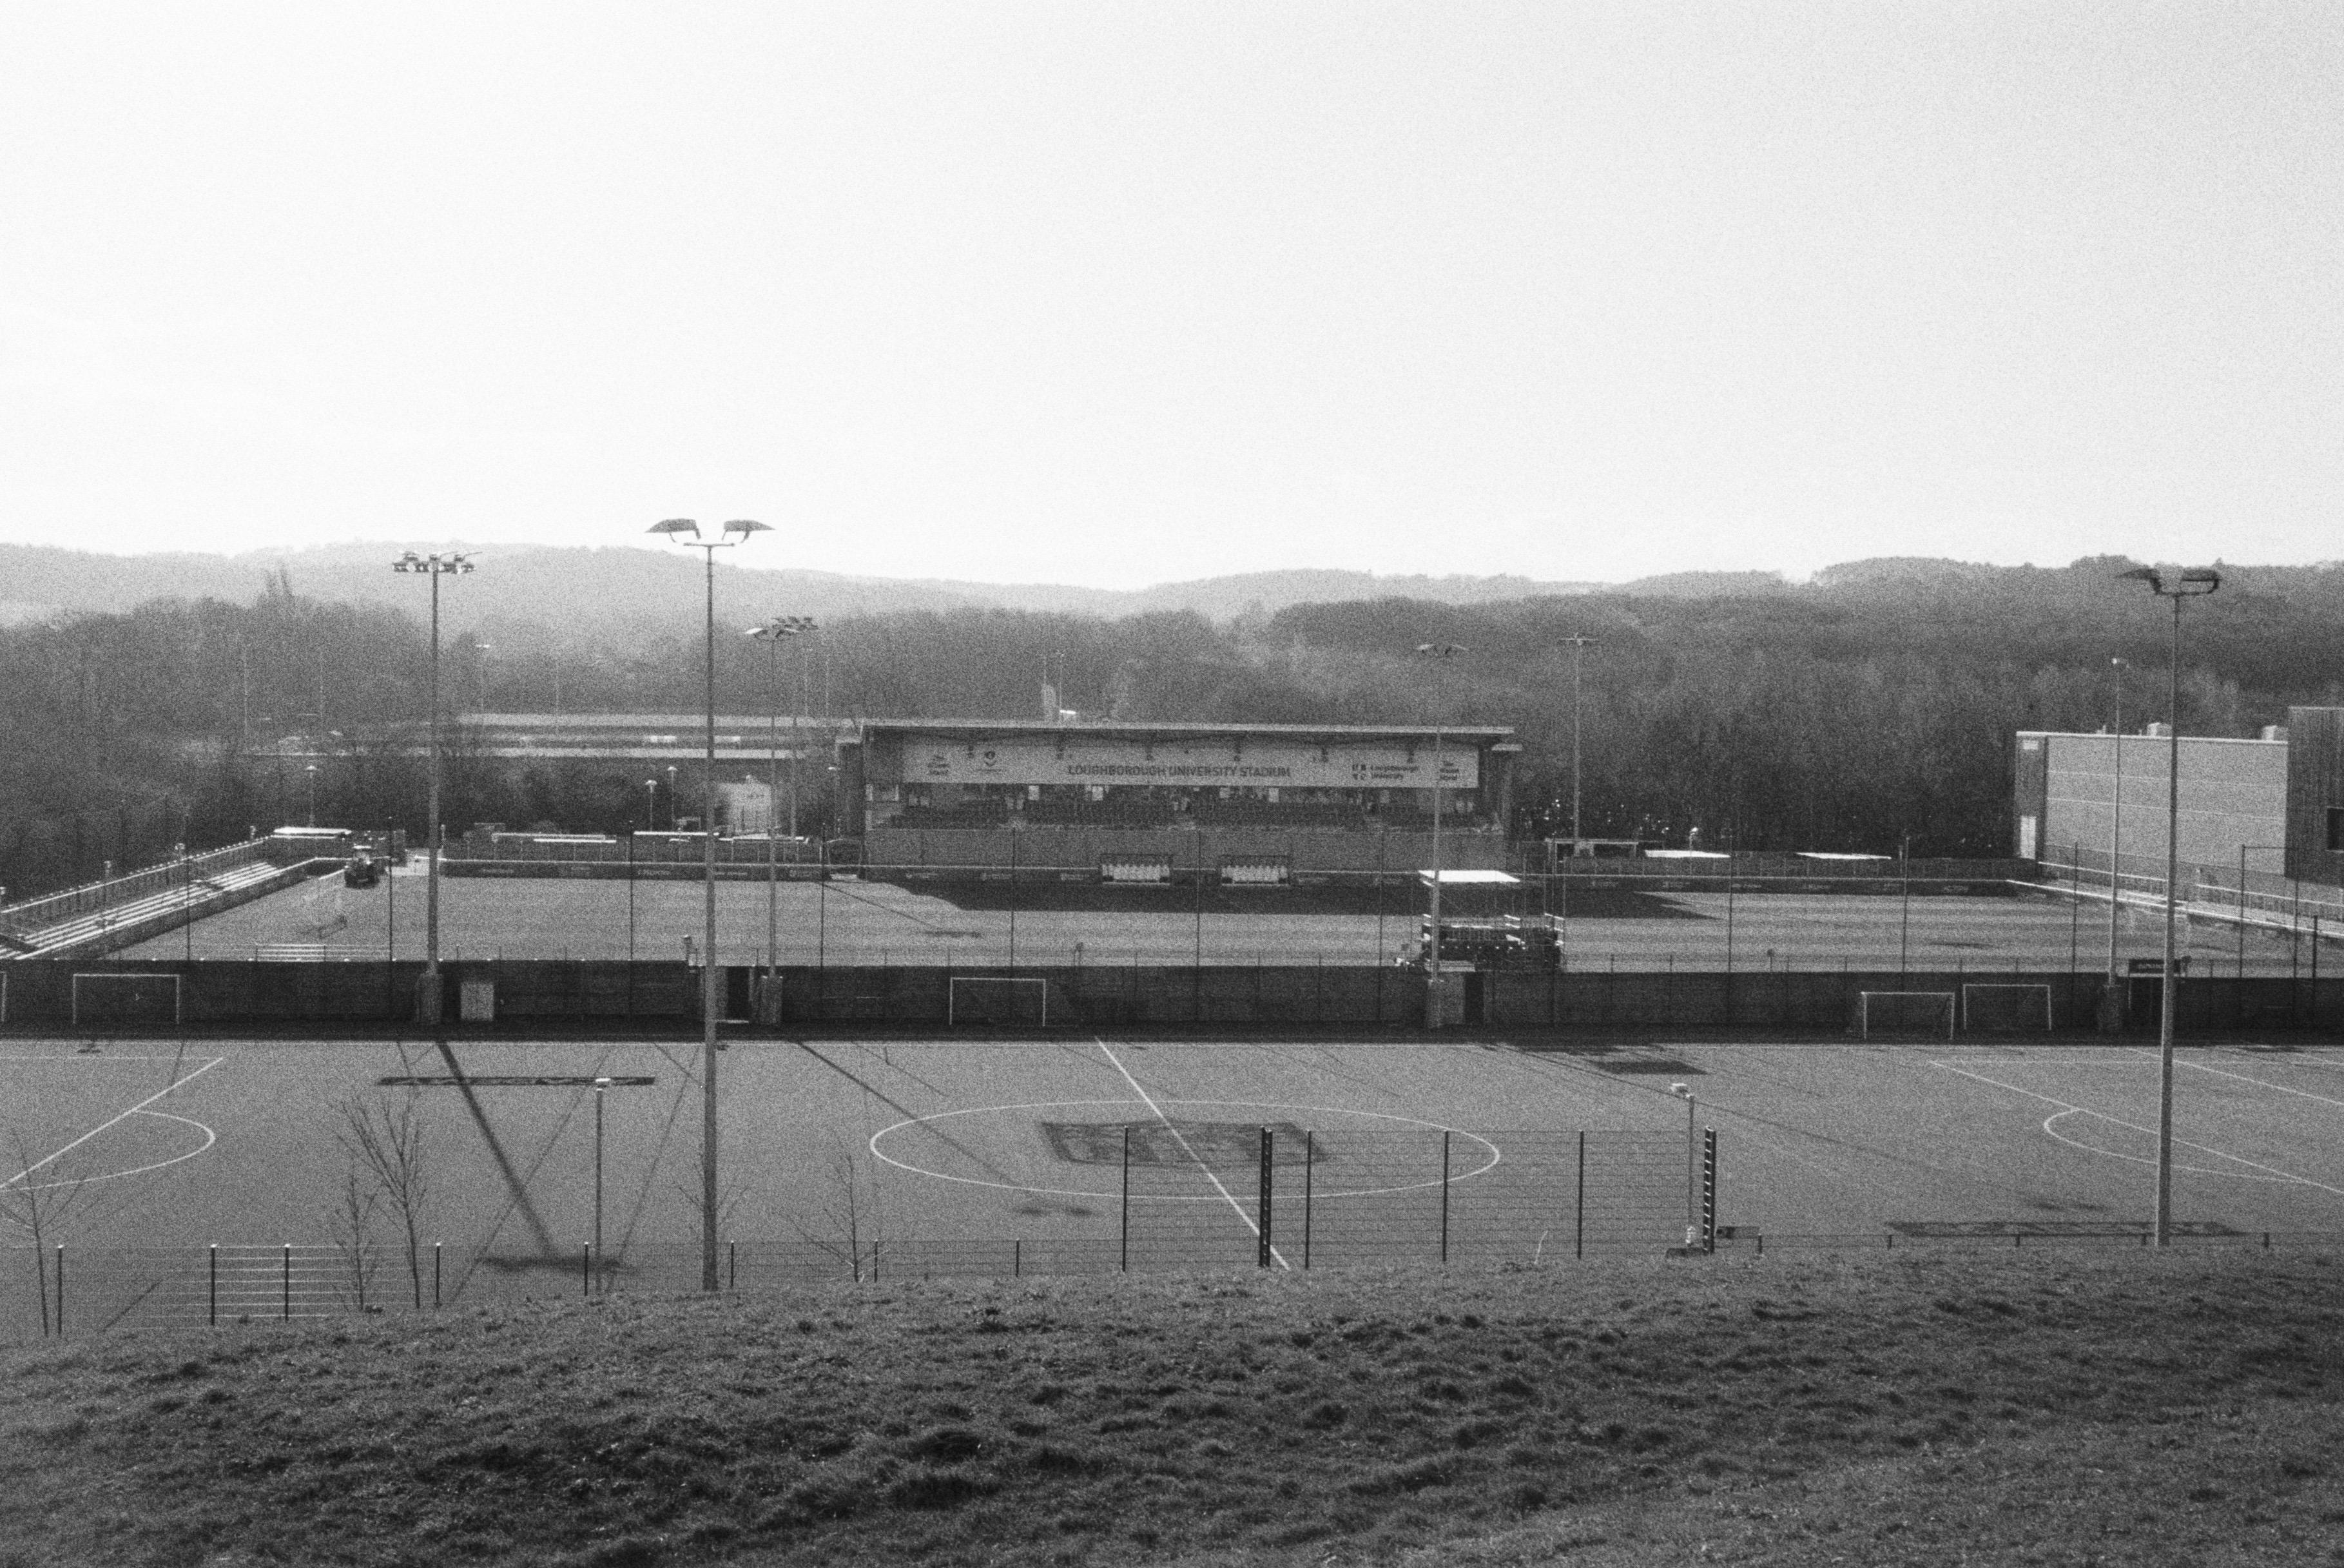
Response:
column 1236, row 803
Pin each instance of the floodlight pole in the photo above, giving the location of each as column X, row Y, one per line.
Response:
column 735, row 532
column 1439, row 653
column 2194, row 584
column 435, row 566
column 2115, row 821
column 774, row 633
column 1579, row 645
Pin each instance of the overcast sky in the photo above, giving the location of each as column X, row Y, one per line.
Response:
column 1119, row 293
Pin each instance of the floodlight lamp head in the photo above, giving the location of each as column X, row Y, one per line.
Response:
column 2200, row 580
column 1439, row 649
column 745, row 527
column 2147, row 574
column 675, row 526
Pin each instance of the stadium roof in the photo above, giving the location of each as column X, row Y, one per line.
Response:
column 1151, row 730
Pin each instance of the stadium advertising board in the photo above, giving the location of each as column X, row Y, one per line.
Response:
column 1251, row 764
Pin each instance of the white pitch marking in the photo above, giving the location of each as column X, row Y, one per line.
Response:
column 2259, row 1082
column 1496, row 1154
column 1186, row 1150
column 210, row 1137
column 2276, row 1174
column 92, row 1132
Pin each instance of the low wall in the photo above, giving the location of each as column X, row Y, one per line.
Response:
column 554, row 994
column 40, row 993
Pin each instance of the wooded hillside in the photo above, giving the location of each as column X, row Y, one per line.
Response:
column 1876, row 701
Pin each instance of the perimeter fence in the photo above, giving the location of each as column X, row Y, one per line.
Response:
column 1160, row 1197
column 530, row 997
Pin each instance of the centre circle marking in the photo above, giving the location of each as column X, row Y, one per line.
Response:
column 921, row 1121
column 210, row 1137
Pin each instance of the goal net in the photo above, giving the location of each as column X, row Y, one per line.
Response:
column 1891, row 1013
column 2008, row 1009
column 1020, row 1000
column 100, row 1000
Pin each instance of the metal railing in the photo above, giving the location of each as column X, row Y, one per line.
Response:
column 1169, row 1197
column 54, row 909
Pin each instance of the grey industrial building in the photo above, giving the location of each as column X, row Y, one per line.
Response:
column 2273, row 806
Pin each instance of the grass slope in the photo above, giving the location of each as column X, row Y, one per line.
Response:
column 1883, row 1409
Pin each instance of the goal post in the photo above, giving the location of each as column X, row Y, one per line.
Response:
column 2009, row 1008
column 1904, row 1013
column 1016, row 1000
column 135, row 1000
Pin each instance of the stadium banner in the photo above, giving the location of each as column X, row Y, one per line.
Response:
column 1254, row 765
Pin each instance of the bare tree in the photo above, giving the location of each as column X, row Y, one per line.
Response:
column 846, row 1222
column 351, row 1224
column 389, row 1152
column 36, row 1200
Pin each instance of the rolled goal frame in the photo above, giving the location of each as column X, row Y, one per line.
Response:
column 1905, row 1012
column 2006, row 1007
column 1015, row 999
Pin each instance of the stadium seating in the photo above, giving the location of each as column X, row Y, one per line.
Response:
column 1279, row 814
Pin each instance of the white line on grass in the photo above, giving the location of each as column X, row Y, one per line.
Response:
column 2259, row 1082
column 92, row 1132
column 1185, row 1149
column 2066, row 1109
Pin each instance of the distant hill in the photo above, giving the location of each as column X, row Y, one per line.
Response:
column 1707, row 585
column 519, row 584
column 541, row 596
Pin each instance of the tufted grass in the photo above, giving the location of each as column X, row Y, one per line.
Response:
column 1885, row 1409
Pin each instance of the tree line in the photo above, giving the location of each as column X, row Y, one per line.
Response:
column 1874, row 705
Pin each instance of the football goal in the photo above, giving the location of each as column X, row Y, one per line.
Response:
column 1893, row 1014
column 2009, row 1008
column 132, row 1000
column 1021, row 1000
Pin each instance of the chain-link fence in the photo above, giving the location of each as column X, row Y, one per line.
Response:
column 1175, row 1196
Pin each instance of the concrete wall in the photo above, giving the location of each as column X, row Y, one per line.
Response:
column 558, row 997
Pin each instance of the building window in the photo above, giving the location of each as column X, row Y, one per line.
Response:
column 2335, row 830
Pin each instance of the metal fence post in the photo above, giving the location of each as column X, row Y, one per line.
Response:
column 61, row 1290
column 1308, row 1160
column 1125, row 1264
column 212, row 1309
column 1017, row 1259
column 285, row 1301
column 586, row 1269
column 1708, row 1190
column 435, row 1275
column 1261, row 1206
column 732, row 1265
column 1444, row 1194
column 1579, row 1221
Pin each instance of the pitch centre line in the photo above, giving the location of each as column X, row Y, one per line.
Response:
column 92, row 1132
column 1149, row 1101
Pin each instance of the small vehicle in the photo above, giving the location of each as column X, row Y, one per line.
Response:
column 363, row 871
